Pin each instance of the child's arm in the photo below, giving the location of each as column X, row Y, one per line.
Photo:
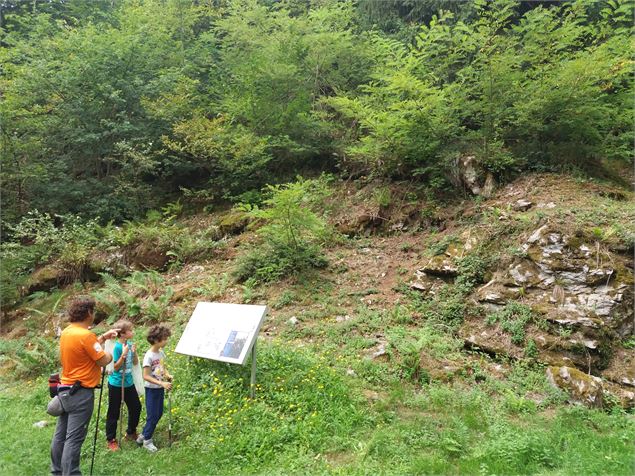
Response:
column 147, row 376
column 122, row 358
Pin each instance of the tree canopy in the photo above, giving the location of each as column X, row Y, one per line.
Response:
column 109, row 109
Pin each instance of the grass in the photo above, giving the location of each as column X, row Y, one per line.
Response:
column 309, row 416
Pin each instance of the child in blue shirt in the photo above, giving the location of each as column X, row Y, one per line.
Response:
column 124, row 356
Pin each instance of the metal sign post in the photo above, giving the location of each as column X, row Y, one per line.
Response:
column 252, row 385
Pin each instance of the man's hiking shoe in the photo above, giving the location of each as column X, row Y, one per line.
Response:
column 132, row 436
column 140, row 439
column 148, row 445
column 113, row 445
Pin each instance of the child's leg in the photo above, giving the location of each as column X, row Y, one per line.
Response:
column 134, row 408
column 114, row 405
column 154, row 410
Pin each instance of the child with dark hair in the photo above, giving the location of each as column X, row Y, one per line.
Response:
column 157, row 381
column 121, row 386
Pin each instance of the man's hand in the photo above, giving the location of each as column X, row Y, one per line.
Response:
column 166, row 385
column 108, row 335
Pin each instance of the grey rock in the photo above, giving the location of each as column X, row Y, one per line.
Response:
column 522, row 205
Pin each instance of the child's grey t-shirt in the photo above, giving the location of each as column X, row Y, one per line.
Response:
column 154, row 360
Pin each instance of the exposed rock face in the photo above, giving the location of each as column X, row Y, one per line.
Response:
column 44, row 279
column 522, row 205
column 572, row 283
column 445, row 265
column 469, row 174
column 147, row 256
column 57, row 275
column 582, row 296
column 581, row 387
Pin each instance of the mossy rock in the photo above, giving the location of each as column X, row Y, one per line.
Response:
column 581, row 387
column 147, row 256
column 233, row 223
column 44, row 279
column 441, row 265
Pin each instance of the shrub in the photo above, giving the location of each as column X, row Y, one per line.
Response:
column 40, row 238
column 145, row 297
column 293, row 235
column 29, row 356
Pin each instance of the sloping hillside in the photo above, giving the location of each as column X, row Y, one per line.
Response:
column 427, row 311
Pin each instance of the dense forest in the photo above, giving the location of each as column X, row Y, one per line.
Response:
column 113, row 108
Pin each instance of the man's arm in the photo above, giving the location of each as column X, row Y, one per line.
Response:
column 104, row 360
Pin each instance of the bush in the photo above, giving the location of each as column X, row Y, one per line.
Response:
column 513, row 318
column 40, row 238
column 144, row 298
column 293, row 234
column 29, row 356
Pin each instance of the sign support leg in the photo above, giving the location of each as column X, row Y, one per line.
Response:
column 252, row 386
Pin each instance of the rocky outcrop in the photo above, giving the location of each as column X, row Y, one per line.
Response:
column 582, row 388
column 588, row 389
column 44, row 279
column 581, row 297
column 146, row 256
column 470, row 175
column 445, row 265
column 571, row 282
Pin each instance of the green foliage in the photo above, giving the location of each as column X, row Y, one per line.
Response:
column 546, row 89
column 161, row 234
column 293, row 234
column 447, row 307
column 112, row 108
column 214, row 287
column 471, row 270
column 39, row 238
column 513, row 319
column 413, row 346
column 83, row 136
column 531, row 350
column 144, row 298
column 26, row 357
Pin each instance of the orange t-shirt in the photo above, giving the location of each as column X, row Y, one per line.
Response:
column 79, row 349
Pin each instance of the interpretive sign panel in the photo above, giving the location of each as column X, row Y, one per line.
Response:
column 221, row 331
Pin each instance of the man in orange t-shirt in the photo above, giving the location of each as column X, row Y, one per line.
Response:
column 82, row 356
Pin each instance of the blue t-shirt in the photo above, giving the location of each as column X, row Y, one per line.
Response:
column 115, row 377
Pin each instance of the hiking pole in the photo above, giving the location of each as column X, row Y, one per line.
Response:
column 170, row 418
column 101, row 391
column 123, row 378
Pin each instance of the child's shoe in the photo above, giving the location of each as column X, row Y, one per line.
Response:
column 148, row 445
column 132, row 436
column 113, row 445
column 140, row 439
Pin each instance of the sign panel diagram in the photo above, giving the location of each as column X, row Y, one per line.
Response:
column 222, row 331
